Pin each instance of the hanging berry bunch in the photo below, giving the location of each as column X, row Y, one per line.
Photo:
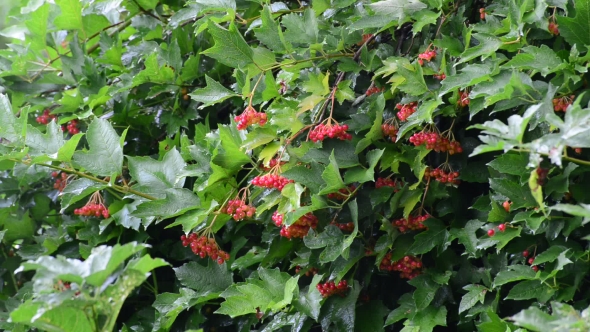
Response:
column 330, row 288
column 561, row 104
column 323, row 131
column 388, row 182
column 390, row 129
column 428, row 55
column 435, row 141
column 482, row 13
column 250, row 117
column 343, row 193
column 463, row 99
column 553, row 28
column 373, row 90
column 45, row 118
column 409, row 266
column 310, row 272
column 61, row 180
column 440, row 76
column 272, row 180
column 345, row 227
column 299, row 228
column 204, row 246
column 94, row 208
column 442, row 174
column 71, row 127
column 238, row 208
column 413, row 223
column 405, row 110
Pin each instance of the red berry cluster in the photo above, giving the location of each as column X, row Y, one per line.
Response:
column 501, row 228
column 345, row 227
column 366, row 37
column 45, row 118
column 204, row 246
column 322, row 131
column 482, row 13
column 463, row 99
column 406, row 110
column 434, row 141
column 330, row 288
column 412, row 223
column 342, row 194
column 71, row 127
column 542, row 175
column 440, row 76
column 311, row 272
column 272, row 163
column 409, row 266
column 561, row 104
column 93, row 210
column 388, row 182
column 389, row 131
column 553, row 28
column 61, row 180
column 299, row 229
column 442, row 176
column 531, row 260
column 250, row 117
column 271, row 181
column 238, row 209
column 427, row 55
column 373, row 90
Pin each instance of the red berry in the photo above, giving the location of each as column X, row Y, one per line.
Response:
column 535, row 268
column 502, row 227
column 491, row 232
column 506, row 206
column 525, row 253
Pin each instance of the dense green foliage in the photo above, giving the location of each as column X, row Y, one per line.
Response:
column 172, row 165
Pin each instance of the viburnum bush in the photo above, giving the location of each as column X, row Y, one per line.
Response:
column 199, row 165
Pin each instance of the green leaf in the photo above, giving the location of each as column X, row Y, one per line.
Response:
column 230, row 47
column 212, row 94
column 582, row 210
column 155, row 177
column 208, row 281
column 45, row 144
column 488, row 45
column 467, row 236
column 510, row 163
column 530, row 289
column 230, row 157
column 369, row 317
column 63, row 318
column 518, row 194
column 414, row 83
column 77, row 189
column 332, row 178
column 153, row 72
column 273, row 291
column 539, row 59
column 397, row 9
column 375, row 133
column 425, row 320
column 362, row 174
column 475, row 294
column 423, row 18
column 105, row 156
column 269, row 33
column 217, row 5
column 340, row 311
column 534, row 319
column 514, row 273
column 176, row 202
column 573, row 29
column 435, row 235
column 310, row 177
column 10, row 126
column 425, row 290
column 549, row 255
column 536, row 189
column 301, row 29
column 71, row 15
